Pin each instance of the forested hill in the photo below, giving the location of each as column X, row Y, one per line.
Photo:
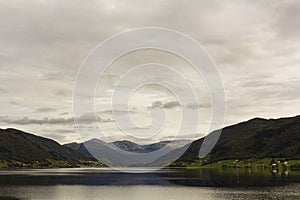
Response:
column 256, row 138
column 19, row 147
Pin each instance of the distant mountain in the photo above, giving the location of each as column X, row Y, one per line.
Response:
column 18, row 146
column 129, row 146
column 133, row 147
column 125, row 145
column 256, row 138
column 132, row 155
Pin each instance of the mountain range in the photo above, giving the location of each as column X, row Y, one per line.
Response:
column 257, row 138
column 126, row 145
column 132, row 154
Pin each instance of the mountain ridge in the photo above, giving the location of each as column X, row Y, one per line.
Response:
column 255, row 138
column 17, row 146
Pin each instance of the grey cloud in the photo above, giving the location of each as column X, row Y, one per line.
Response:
column 199, row 105
column 58, row 131
column 118, row 111
column 176, row 104
column 29, row 121
column 167, row 105
column 268, row 89
column 12, row 103
column 156, row 104
column 286, row 19
column 2, row 90
column 61, row 92
column 64, row 113
column 62, row 135
column 44, row 43
column 45, row 110
column 55, row 76
column 88, row 118
column 171, row 105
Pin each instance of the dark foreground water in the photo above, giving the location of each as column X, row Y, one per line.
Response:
column 206, row 184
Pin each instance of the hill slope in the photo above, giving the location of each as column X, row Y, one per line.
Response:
column 256, row 138
column 16, row 145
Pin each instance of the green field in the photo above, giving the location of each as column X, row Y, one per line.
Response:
column 265, row 163
column 13, row 164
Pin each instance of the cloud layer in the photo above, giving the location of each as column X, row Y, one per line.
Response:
column 254, row 44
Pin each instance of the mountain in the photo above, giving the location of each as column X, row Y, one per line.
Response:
column 256, row 138
column 125, row 145
column 132, row 155
column 19, row 147
column 147, row 148
column 79, row 147
column 129, row 146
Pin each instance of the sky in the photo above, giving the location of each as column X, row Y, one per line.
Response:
column 254, row 44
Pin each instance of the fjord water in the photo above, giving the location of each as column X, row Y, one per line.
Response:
column 206, row 184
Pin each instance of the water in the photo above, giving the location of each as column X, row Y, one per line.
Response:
column 206, row 184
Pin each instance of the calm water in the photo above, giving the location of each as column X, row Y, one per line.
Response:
column 206, row 184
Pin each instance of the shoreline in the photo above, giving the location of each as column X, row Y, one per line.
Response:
column 264, row 163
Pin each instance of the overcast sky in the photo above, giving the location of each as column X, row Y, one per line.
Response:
column 255, row 45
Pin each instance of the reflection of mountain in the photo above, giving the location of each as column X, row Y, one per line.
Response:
column 23, row 147
column 198, row 177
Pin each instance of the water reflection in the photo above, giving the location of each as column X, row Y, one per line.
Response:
column 149, row 192
column 165, row 184
column 195, row 177
column 224, row 177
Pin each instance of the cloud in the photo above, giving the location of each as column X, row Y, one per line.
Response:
column 176, row 104
column 255, row 45
column 157, row 104
column 198, row 105
column 90, row 118
column 166, row 105
column 62, row 135
column 45, row 110
column 86, row 118
column 2, row 90
column 12, row 103
column 52, row 76
column 66, row 92
column 29, row 121
column 286, row 19
column 64, row 113
column 171, row 105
